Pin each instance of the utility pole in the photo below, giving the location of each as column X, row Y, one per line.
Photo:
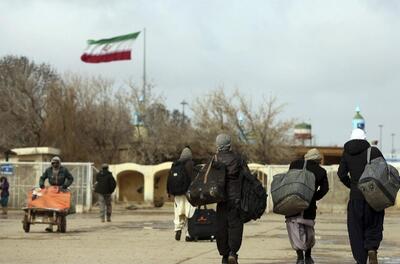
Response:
column 144, row 66
column 380, row 137
column 393, row 149
column 183, row 103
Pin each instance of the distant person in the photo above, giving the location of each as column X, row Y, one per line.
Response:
column 57, row 175
column 181, row 175
column 301, row 227
column 104, row 186
column 365, row 226
column 4, row 186
column 230, row 225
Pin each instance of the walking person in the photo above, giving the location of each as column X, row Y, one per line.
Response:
column 364, row 224
column 301, row 227
column 104, row 186
column 4, row 194
column 230, row 225
column 179, row 179
column 57, row 175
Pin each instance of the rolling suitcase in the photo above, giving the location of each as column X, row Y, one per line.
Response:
column 203, row 224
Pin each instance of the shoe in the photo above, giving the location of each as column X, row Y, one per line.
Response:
column 49, row 229
column 108, row 219
column 178, row 235
column 373, row 257
column 232, row 259
column 300, row 261
column 189, row 239
column 309, row 260
column 102, row 220
column 224, row 260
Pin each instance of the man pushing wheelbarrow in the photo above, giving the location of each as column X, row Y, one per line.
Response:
column 50, row 205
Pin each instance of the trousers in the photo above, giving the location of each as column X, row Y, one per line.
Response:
column 230, row 228
column 365, row 228
column 105, row 205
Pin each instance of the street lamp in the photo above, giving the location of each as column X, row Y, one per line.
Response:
column 393, row 149
column 183, row 103
column 380, row 137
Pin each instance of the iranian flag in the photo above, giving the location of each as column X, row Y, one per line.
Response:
column 111, row 49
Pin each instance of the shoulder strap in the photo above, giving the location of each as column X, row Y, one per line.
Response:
column 305, row 165
column 369, row 155
column 208, row 169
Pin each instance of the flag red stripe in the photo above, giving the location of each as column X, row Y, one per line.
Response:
column 115, row 56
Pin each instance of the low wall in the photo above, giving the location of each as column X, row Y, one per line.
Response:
column 147, row 183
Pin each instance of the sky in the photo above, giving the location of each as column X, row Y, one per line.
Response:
column 320, row 58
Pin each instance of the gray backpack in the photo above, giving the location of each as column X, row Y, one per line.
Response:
column 379, row 183
column 293, row 191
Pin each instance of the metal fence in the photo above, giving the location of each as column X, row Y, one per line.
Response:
column 23, row 176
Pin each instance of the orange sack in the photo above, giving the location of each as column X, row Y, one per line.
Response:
column 49, row 198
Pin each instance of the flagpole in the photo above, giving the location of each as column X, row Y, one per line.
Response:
column 144, row 65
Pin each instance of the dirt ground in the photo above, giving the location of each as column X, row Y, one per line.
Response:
column 146, row 236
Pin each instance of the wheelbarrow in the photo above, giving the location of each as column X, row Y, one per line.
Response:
column 47, row 216
column 49, row 205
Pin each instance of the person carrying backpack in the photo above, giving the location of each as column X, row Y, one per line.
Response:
column 301, row 227
column 104, row 186
column 229, row 222
column 364, row 224
column 179, row 179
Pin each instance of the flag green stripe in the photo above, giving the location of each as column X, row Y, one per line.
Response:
column 114, row 39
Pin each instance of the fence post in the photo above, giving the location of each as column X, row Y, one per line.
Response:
column 88, row 202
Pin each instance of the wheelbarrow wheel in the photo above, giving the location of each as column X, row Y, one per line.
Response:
column 62, row 223
column 25, row 224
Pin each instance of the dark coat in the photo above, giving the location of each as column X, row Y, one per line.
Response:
column 353, row 161
column 4, row 189
column 321, row 185
column 234, row 163
column 63, row 179
column 105, row 182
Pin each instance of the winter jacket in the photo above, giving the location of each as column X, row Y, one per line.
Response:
column 63, row 178
column 321, row 185
column 4, row 189
column 353, row 161
column 234, row 163
column 105, row 182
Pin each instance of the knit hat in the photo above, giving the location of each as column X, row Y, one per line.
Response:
column 104, row 166
column 223, row 142
column 56, row 159
column 313, row 154
column 358, row 134
column 186, row 153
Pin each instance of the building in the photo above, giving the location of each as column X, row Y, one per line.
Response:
column 36, row 154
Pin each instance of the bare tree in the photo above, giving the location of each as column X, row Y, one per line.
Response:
column 24, row 86
column 160, row 134
column 90, row 121
column 259, row 133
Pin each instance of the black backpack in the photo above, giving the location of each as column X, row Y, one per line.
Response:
column 178, row 181
column 254, row 197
